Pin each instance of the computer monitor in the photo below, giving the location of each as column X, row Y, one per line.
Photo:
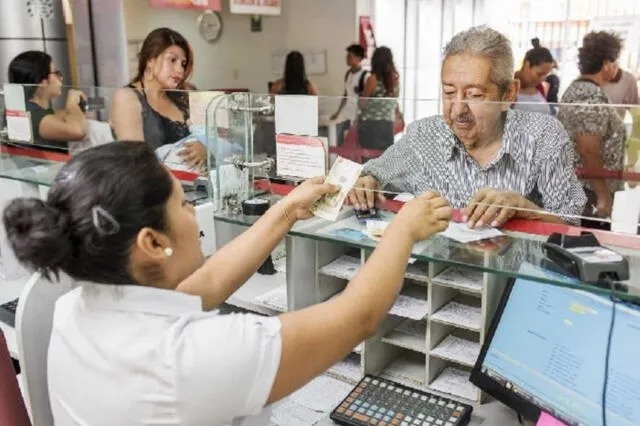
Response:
column 545, row 351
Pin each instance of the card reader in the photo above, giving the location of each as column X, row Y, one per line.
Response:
column 584, row 258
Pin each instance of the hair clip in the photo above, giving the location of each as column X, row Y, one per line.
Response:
column 104, row 223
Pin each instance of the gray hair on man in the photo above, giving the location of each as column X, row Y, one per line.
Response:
column 487, row 42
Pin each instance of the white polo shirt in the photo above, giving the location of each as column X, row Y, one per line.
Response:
column 134, row 355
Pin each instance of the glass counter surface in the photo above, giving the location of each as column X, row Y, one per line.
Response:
column 503, row 256
column 27, row 169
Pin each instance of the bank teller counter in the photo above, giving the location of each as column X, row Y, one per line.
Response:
column 458, row 290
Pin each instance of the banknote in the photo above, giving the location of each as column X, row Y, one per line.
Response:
column 344, row 173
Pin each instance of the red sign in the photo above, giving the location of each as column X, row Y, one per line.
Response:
column 188, row 4
column 367, row 38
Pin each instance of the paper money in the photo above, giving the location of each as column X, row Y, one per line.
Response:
column 344, row 173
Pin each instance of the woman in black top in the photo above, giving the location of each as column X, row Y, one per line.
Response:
column 52, row 129
column 295, row 81
column 154, row 107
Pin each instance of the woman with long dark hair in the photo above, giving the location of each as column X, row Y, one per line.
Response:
column 42, row 80
column 378, row 103
column 294, row 81
column 154, row 107
column 139, row 341
column 538, row 63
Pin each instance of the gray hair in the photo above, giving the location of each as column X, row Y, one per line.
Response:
column 487, row 42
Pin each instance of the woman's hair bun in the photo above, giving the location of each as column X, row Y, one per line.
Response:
column 535, row 42
column 38, row 234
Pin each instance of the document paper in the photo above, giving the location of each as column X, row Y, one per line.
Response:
column 297, row 115
column 301, row 156
column 463, row 234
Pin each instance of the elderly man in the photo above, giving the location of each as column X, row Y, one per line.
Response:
column 481, row 155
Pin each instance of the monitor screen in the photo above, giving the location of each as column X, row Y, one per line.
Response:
column 546, row 352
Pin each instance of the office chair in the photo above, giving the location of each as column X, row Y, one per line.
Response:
column 34, row 319
column 12, row 409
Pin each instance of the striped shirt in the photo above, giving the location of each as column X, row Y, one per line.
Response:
column 535, row 160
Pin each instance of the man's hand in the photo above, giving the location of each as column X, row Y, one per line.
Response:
column 494, row 207
column 604, row 205
column 364, row 193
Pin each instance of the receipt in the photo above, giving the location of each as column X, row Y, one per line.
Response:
column 344, row 173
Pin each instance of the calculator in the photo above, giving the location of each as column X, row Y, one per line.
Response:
column 380, row 402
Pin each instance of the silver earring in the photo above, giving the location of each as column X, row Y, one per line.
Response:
column 168, row 252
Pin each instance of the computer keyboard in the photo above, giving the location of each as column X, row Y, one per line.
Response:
column 8, row 312
column 381, row 402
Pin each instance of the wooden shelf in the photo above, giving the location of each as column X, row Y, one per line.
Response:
column 456, row 349
column 455, row 381
column 410, row 335
column 459, row 315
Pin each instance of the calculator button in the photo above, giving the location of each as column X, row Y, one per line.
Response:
column 427, row 424
column 407, row 393
column 439, row 422
column 408, row 418
column 349, row 413
column 367, row 379
column 448, row 424
column 433, row 401
column 424, row 398
column 386, row 419
column 416, row 422
column 460, row 408
column 391, row 387
column 404, row 424
column 421, row 416
column 451, row 405
column 383, row 385
column 373, row 422
column 415, row 395
column 366, row 405
column 375, row 382
column 453, row 419
column 441, row 403
column 374, row 407
column 361, row 417
column 456, row 413
column 369, row 413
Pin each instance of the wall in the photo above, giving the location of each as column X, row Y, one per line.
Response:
column 242, row 58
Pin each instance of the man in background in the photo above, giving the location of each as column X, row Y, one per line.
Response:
column 354, row 80
column 622, row 90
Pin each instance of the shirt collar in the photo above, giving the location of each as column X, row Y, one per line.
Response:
column 452, row 144
column 138, row 298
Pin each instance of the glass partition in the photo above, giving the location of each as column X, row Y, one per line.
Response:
column 513, row 173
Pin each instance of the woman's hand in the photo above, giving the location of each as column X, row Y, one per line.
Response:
column 194, row 154
column 299, row 201
column 73, row 99
column 423, row 216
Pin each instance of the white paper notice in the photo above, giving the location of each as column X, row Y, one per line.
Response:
column 297, row 115
column 462, row 233
column 626, row 211
column 14, row 97
column 344, row 173
column 301, row 156
column 19, row 126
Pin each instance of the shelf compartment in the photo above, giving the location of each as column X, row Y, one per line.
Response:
column 458, row 350
column 275, row 299
column 460, row 315
column 407, row 369
column 455, row 381
column 256, row 286
column 410, row 335
column 348, row 369
column 411, row 303
column 418, row 272
column 464, row 279
column 344, row 267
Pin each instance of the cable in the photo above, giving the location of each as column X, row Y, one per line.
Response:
column 609, row 281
